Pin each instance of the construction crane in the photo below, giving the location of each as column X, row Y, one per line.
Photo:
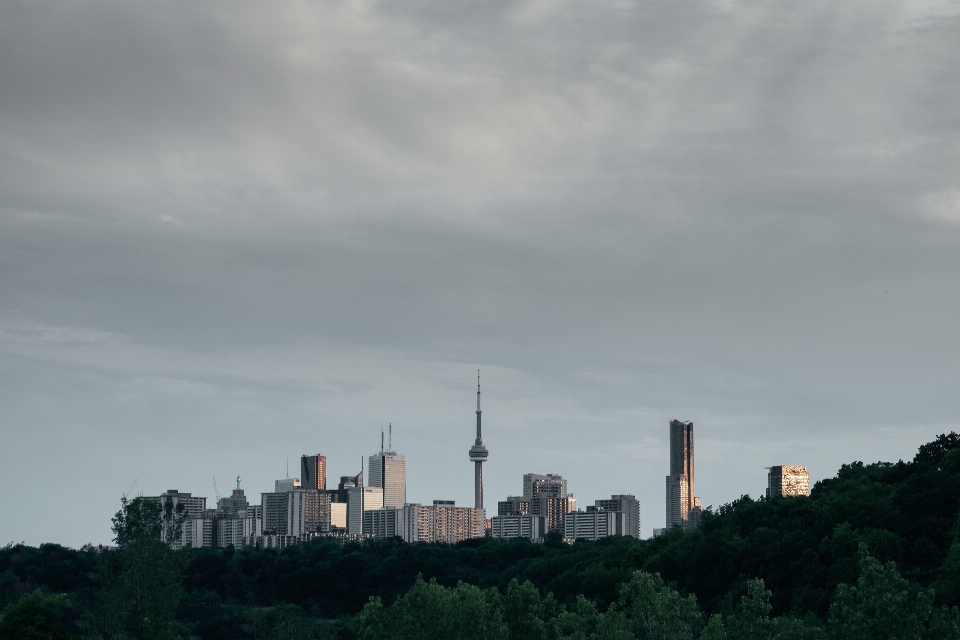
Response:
column 215, row 490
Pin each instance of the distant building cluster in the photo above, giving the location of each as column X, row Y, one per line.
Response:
column 299, row 509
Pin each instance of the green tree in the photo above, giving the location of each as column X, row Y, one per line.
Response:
column 143, row 589
column 35, row 617
column 432, row 611
column 881, row 605
column 655, row 611
column 289, row 623
column 526, row 614
column 752, row 619
column 582, row 621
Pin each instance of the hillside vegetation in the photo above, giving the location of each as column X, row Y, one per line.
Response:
column 875, row 545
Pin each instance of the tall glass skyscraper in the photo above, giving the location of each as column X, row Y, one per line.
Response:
column 313, row 472
column 683, row 507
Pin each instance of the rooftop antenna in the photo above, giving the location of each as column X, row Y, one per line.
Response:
column 381, row 443
column 390, row 441
column 131, row 488
column 288, row 466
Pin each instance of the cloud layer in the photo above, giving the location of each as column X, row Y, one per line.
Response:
column 236, row 232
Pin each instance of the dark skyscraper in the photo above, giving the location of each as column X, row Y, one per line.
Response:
column 313, row 472
column 478, row 455
column 683, row 508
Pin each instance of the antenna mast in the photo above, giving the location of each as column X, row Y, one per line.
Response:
column 390, row 441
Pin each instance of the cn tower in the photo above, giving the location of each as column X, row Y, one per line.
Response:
column 478, row 455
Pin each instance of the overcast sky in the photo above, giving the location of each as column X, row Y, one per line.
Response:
column 232, row 233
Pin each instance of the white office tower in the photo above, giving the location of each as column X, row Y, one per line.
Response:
column 388, row 470
column 360, row 499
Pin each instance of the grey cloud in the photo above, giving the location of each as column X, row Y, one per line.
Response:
column 293, row 222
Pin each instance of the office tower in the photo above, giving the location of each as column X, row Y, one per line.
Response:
column 626, row 504
column 286, row 484
column 388, row 470
column 338, row 516
column 236, row 519
column 346, row 483
column 236, row 505
column 788, row 481
column 683, row 507
column 313, row 472
column 478, row 455
column 360, row 499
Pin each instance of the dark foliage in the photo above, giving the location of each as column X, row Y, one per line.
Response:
column 801, row 548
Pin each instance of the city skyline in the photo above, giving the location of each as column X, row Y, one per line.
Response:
column 233, row 237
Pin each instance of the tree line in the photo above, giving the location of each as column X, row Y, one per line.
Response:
column 783, row 567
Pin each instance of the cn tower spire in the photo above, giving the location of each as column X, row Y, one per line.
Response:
column 478, row 455
column 479, row 438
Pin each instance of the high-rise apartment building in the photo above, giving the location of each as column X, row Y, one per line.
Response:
column 788, row 481
column 383, row 523
column 552, row 485
column 593, row 524
column 626, row 504
column 518, row 525
column 295, row 513
column 442, row 521
column 275, row 507
column 545, row 496
column 192, row 526
column 683, row 507
column 313, row 472
column 388, row 470
column 553, row 509
column 513, row 505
